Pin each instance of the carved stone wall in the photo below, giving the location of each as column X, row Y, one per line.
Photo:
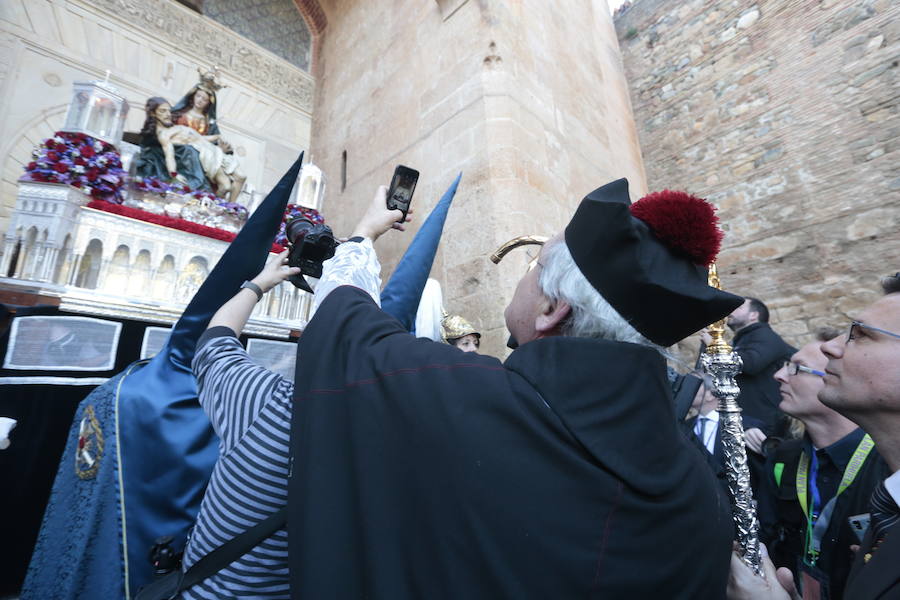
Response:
column 276, row 25
column 786, row 114
column 186, row 30
column 152, row 48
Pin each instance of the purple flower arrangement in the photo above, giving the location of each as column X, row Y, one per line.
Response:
column 158, row 186
column 95, row 167
column 295, row 211
column 233, row 208
column 79, row 160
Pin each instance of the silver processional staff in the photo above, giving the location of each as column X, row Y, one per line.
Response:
column 722, row 364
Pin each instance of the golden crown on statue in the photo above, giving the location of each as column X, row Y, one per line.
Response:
column 208, row 80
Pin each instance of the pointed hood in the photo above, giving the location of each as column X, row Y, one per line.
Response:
column 401, row 295
column 243, row 260
column 167, row 443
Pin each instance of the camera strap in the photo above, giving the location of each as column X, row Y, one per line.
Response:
column 176, row 582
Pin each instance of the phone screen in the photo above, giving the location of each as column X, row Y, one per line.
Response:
column 403, row 184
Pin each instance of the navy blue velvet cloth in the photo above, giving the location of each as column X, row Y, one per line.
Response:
column 78, row 551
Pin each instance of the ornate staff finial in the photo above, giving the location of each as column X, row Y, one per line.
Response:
column 717, row 329
column 723, row 365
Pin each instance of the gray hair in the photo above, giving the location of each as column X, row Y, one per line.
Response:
column 592, row 316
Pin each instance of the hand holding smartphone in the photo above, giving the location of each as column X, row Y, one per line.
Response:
column 400, row 193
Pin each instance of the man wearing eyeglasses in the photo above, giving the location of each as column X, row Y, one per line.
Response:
column 862, row 382
column 817, row 487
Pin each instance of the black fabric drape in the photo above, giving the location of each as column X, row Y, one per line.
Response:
column 420, row 471
column 44, row 414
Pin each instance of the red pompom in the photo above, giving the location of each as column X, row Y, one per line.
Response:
column 685, row 223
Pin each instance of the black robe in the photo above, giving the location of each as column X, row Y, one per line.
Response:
column 879, row 578
column 419, row 471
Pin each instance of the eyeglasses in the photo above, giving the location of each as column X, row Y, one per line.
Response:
column 795, row 368
column 854, row 331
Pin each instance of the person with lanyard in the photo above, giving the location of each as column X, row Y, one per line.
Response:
column 814, row 487
column 862, row 383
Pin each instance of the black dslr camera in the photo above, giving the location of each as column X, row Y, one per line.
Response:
column 311, row 245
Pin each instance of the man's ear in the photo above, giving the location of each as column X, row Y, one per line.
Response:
column 551, row 318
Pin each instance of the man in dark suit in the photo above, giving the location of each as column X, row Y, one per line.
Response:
column 762, row 352
column 702, row 428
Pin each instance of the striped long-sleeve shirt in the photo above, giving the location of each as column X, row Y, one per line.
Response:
column 250, row 410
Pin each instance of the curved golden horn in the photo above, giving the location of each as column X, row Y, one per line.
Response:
column 522, row 240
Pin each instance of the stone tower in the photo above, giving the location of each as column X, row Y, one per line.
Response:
column 526, row 98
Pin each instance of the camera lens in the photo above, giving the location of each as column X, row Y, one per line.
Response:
column 297, row 229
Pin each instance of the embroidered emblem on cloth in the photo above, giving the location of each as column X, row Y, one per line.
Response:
column 90, row 445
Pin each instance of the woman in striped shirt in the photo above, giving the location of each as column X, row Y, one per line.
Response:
column 250, row 410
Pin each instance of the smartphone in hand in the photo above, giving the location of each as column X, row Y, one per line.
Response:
column 400, row 194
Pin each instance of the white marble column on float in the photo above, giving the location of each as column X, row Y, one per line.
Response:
column 73, row 269
column 9, row 248
column 48, row 265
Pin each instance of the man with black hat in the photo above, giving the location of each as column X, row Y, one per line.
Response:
column 420, row 471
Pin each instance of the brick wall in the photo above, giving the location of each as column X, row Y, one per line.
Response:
column 784, row 113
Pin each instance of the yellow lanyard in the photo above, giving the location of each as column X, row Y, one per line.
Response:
column 817, row 524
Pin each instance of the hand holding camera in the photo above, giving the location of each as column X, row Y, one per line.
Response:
column 275, row 271
column 311, row 245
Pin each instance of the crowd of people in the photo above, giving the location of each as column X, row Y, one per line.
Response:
column 398, row 467
column 814, row 466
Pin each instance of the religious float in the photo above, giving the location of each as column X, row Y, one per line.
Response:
column 112, row 235
column 106, row 227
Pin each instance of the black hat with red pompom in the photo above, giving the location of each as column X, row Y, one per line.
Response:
column 649, row 259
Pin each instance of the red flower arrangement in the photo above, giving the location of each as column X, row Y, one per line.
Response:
column 76, row 159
